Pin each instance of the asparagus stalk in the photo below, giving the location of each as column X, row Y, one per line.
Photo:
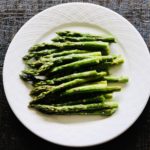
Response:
column 108, row 96
column 78, row 34
column 76, row 65
column 29, row 71
column 71, row 33
column 68, row 52
column 37, row 90
column 74, row 108
column 69, row 101
column 67, row 85
column 99, row 62
column 121, row 79
column 118, row 60
column 70, row 77
column 97, row 99
column 104, row 38
column 78, row 61
column 103, row 112
column 90, row 46
column 91, row 89
column 63, row 59
column 57, row 69
column 51, row 52
column 87, row 74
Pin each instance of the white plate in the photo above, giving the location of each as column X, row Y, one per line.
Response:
column 80, row 130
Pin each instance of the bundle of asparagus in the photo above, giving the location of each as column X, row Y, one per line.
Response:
column 71, row 74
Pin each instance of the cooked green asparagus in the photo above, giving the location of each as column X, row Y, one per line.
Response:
column 121, row 79
column 70, row 77
column 91, row 89
column 70, row 74
column 86, row 36
column 98, row 63
column 104, row 38
column 65, row 59
column 75, row 108
column 90, row 46
column 62, row 87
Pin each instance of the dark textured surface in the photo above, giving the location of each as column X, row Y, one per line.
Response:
column 13, row 14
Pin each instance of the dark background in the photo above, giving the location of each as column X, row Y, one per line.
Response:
column 13, row 14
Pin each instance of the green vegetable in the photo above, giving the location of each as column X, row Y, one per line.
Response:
column 52, row 52
column 68, row 52
column 108, row 96
column 30, row 71
column 90, row 46
column 74, row 108
column 80, row 65
column 121, row 79
column 97, row 99
column 40, row 89
column 118, row 60
column 103, row 112
column 83, row 39
column 57, row 101
column 76, row 65
column 77, row 36
column 70, row 77
column 91, row 89
column 62, row 59
column 65, row 86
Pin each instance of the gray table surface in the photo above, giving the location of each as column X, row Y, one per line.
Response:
column 13, row 14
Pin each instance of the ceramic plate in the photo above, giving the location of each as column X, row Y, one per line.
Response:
column 80, row 131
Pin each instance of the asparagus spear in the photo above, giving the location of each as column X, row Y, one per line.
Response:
column 29, row 71
column 108, row 96
column 103, row 112
column 121, row 79
column 78, row 34
column 68, row 52
column 69, row 101
column 70, row 77
column 68, row 85
column 107, row 64
column 64, row 59
column 97, row 99
column 44, row 91
column 70, row 33
column 118, row 60
column 99, row 63
column 91, row 89
column 87, row 74
column 90, row 46
column 53, row 53
column 104, row 38
column 76, row 65
column 40, row 89
column 74, row 108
